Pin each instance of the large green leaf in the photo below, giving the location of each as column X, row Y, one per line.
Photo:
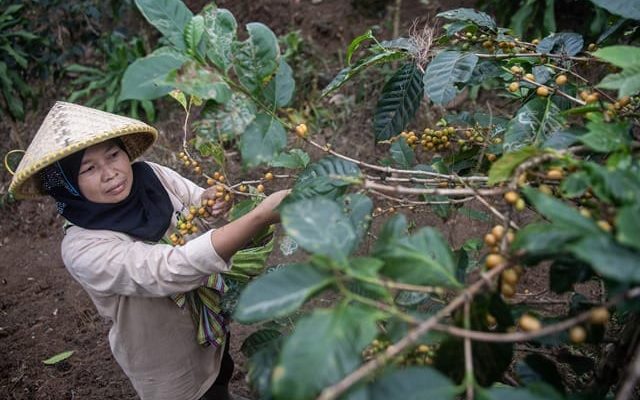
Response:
column 445, row 72
column 324, row 347
column 623, row 8
column 261, row 365
column 279, row 293
column 328, row 177
column 141, row 79
column 256, row 58
column 358, row 208
column 258, row 340
column 423, row 258
column 220, row 27
column 534, row 122
column 279, row 91
column 319, row 225
column 560, row 213
column 607, row 137
column 627, row 223
column 349, row 72
column 355, row 44
column 567, row 43
column 413, row 383
column 264, row 138
column 470, row 15
column 197, row 80
column 398, row 103
column 541, row 240
column 620, row 56
column 168, row 16
column 402, row 154
column 502, row 169
column 608, row 258
column 509, row 393
column 225, row 121
column 627, row 82
column 296, row 158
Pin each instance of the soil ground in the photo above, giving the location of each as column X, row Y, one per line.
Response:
column 43, row 311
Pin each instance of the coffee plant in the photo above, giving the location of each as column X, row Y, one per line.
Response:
column 410, row 316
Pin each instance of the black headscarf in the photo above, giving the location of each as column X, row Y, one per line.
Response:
column 145, row 213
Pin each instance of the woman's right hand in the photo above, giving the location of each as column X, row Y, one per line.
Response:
column 270, row 203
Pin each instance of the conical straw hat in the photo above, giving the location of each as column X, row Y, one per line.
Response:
column 69, row 128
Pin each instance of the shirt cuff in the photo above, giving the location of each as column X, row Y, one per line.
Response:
column 201, row 253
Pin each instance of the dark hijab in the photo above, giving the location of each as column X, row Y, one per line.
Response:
column 145, row 213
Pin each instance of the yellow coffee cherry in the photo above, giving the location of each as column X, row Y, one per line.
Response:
column 268, row 176
column 510, row 276
column 497, row 231
column 604, row 225
column 513, row 87
column 493, row 260
column 260, row 188
column 301, row 130
column 530, row 77
column 520, row 204
column 529, row 323
column 555, row 174
column 507, row 290
column 599, row 316
column 577, row 334
column 542, row 91
column 511, row 197
column 561, row 80
column 490, row 240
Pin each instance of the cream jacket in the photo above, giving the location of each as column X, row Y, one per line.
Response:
column 129, row 281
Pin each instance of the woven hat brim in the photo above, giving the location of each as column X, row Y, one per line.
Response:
column 136, row 138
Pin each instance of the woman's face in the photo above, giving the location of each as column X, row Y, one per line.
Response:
column 105, row 173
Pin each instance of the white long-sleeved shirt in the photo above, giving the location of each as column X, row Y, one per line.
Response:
column 129, row 281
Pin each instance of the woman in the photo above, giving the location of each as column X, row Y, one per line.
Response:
column 168, row 334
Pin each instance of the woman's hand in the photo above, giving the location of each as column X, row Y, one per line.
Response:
column 219, row 207
column 270, row 203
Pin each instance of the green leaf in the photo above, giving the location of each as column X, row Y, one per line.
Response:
column 279, row 91
column 349, row 72
column 398, row 103
column 261, row 365
column 623, row 8
column 225, row 121
column 193, row 35
column 620, row 56
column 358, row 208
column 627, row 82
column 536, row 367
column 627, row 223
column 328, row 177
column 140, row 80
column 549, row 19
column 196, row 80
column 474, row 214
column 258, row 340
column 295, row 159
column 413, row 383
column 534, row 122
column 445, row 72
column 320, row 226
column 355, row 43
column 541, row 240
column 402, row 154
column 168, row 16
column 469, row 15
column 58, row 357
column 423, row 258
column 575, row 184
column 263, row 139
column 279, row 293
column 220, row 27
column 607, row 137
column 608, row 258
column 560, row 213
column 502, row 169
column 567, row 43
column 257, row 58
column 324, row 347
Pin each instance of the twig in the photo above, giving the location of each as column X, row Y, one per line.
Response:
column 420, row 203
column 633, row 373
column 468, row 355
column 538, row 55
column 431, row 191
column 527, row 336
column 389, row 170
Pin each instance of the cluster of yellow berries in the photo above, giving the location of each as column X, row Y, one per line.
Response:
column 420, row 355
column 190, row 163
column 617, row 106
column 510, row 276
column 577, row 333
column 431, row 139
column 186, row 222
column 514, row 199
